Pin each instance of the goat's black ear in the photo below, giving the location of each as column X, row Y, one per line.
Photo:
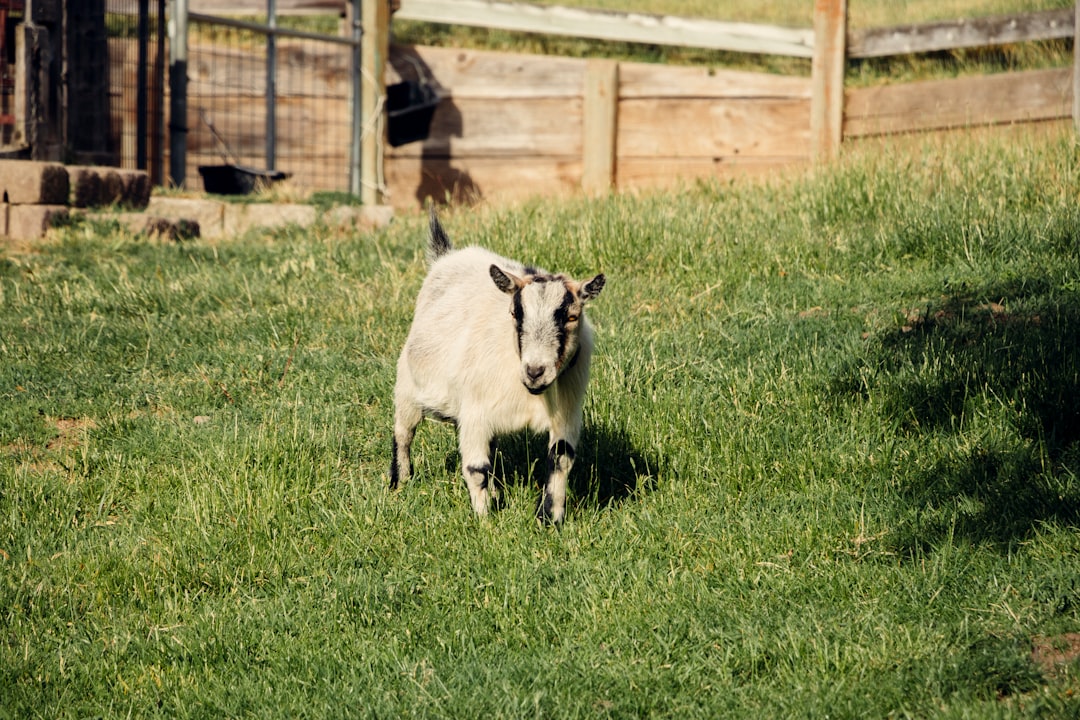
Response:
column 504, row 280
column 592, row 288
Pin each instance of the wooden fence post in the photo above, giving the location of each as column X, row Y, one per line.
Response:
column 827, row 78
column 374, row 51
column 597, row 140
column 1076, row 69
column 601, row 103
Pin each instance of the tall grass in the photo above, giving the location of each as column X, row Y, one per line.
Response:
column 830, row 464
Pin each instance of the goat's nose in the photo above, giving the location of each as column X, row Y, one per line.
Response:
column 535, row 372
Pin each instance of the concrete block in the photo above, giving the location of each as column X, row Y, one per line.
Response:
column 359, row 217
column 94, row 186
column 85, row 186
column 27, row 182
column 137, row 188
column 112, row 187
column 29, row 222
column 209, row 215
column 171, row 229
column 3, row 219
column 176, row 229
column 239, row 218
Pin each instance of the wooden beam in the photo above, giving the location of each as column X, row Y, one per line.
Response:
column 1034, row 95
column 971, row 32
column 375, row 18
column 598, row 135
column 827, row 78
column 617, row 26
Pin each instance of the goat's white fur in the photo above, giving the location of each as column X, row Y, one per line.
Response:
column 495, row 347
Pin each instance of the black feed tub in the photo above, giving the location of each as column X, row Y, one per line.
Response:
column 409, row 107
column 237, row 179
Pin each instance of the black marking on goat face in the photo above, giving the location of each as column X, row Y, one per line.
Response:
column 546, row 310
column 563, row 317
column 518, row 311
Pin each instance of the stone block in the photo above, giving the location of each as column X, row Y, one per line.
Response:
column 94, row 186
column 209, row 215
column 137, row 188
column 239, row 218
column 29, row 222
column 85, row 186
column 26, row 182
column 112, row 187
column 359, row 217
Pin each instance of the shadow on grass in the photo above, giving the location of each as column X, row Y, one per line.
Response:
column 1008, row 359
column 608, row 469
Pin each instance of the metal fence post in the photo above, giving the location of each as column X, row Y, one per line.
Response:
column 141, row 100
column 271, row 84
column 357, row 105
column 178, row 50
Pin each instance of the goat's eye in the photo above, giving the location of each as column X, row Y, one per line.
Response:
column 571, row 318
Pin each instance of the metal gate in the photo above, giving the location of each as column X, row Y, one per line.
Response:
column 279, row 95
column 264, row 92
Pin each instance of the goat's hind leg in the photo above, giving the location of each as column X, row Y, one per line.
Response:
column 406, row 417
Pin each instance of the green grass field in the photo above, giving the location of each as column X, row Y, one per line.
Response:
column 829, row 469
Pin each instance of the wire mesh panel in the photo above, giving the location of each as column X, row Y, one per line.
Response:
column 137, row 65
column 229, row 121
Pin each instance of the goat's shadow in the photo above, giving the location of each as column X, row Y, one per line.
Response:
column 440, row 180
column 608, row 469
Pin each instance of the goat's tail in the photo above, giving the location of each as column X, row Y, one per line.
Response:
column 438, row 241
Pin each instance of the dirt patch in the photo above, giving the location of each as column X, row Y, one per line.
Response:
column 1055, row 654
column 70, row 434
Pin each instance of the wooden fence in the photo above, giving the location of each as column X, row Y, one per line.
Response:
column 512, row 126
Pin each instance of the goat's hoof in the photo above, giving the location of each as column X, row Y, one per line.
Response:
column 546, row 513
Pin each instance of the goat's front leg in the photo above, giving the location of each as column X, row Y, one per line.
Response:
column 476, row 467
column 560, row 458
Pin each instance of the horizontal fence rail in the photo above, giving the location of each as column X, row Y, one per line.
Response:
column 615, row 26
column 956, row 34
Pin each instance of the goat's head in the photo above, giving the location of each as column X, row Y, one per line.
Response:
column 547, row 312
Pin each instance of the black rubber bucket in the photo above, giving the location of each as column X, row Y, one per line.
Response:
column 409, row 108
column 237, row 179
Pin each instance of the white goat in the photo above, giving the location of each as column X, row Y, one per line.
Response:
column 495, row 347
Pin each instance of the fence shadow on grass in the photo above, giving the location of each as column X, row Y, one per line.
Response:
column 957, row 357
column 608, row 468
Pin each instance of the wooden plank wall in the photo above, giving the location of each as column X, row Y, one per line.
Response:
column 1035, row 95
column 512, row 125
